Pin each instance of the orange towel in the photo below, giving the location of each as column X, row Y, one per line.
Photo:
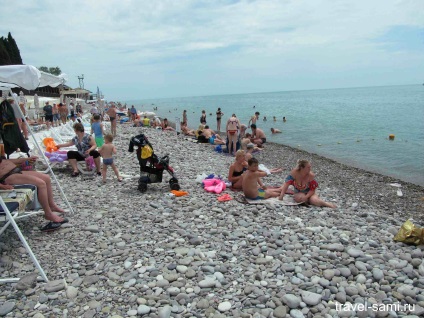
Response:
column 179, row 193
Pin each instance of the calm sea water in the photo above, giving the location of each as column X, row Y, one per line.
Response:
column 349, row 125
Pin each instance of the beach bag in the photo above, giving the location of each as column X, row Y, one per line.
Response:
column 10, row 131
column 202, row 139
column 89, row 161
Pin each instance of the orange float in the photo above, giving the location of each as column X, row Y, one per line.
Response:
column 50, row 144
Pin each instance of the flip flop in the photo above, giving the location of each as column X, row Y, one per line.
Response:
column 52, row 226
column 225, row 197
column 75, row 174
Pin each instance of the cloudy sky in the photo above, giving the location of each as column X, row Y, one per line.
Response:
column 138, row 49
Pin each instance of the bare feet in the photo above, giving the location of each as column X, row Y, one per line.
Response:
column 53, row 217
column 55, row 208
column 330, row 205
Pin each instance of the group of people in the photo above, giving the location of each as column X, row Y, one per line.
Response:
column 246, row 175
column 236, row 133
column 12, row 172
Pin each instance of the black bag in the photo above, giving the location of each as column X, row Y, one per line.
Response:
column 9, row 130
column 202, row 139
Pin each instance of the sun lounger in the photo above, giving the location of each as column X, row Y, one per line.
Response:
column 15, row 205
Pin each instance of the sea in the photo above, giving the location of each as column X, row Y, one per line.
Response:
column 348, row 125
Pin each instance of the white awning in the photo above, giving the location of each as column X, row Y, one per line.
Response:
column 27, row 77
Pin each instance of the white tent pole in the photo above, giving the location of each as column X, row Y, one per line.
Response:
column 46, row 161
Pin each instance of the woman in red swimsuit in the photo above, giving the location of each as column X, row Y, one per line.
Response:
column 303, row 181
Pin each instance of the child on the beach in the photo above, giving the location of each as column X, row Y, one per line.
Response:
column 98, row 130
column 251, row 180
column 107, row 151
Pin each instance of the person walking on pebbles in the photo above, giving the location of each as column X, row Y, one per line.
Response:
column 107, row 151
column 98, row 129
column 303, row 180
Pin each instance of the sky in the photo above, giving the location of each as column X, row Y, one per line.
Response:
column 144, row 49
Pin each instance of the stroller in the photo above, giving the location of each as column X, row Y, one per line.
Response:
column 151, row 166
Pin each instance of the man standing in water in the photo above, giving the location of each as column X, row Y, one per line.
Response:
column 253, row 119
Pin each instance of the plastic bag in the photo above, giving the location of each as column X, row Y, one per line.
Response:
column 410, row 234
column 201, row 177
column 89, row 161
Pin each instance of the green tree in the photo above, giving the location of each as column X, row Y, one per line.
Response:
column 8, row 49
column 4, row 55
column 52, row 70
column 55, row 70
column 16, row 54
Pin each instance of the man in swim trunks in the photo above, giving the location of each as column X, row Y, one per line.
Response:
column 111, row 112
column 251, row 180
column 258, row 136
column 213, row 137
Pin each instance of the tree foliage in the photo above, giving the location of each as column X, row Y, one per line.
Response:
column 4, row 55
column 10, row 55
column 17, row 59
column 52, row 70
column 9, row 51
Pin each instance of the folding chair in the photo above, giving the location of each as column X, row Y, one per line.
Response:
column 10, row 213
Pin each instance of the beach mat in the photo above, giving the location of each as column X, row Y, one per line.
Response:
column 287, row 200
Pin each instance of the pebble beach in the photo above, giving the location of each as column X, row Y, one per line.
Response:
column 131, row 254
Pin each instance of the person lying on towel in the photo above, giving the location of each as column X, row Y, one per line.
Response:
column 251, row 180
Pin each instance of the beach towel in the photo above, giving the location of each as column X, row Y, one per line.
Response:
column 287, row 200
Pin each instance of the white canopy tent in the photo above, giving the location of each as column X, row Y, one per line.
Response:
column 28, row 77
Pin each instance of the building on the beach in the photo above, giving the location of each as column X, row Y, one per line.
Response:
column 46, row 91
column 62, row 91
column 76, row 93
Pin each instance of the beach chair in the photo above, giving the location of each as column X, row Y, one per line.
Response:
column 15, row 205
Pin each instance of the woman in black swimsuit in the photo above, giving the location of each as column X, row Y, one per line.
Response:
column 235, row 175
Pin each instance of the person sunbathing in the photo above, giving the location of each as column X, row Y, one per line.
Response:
column 212, row 137
column 186, row 131
column 235, row 174
column 303, row 181
column 11, row 174
column 166, row 126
